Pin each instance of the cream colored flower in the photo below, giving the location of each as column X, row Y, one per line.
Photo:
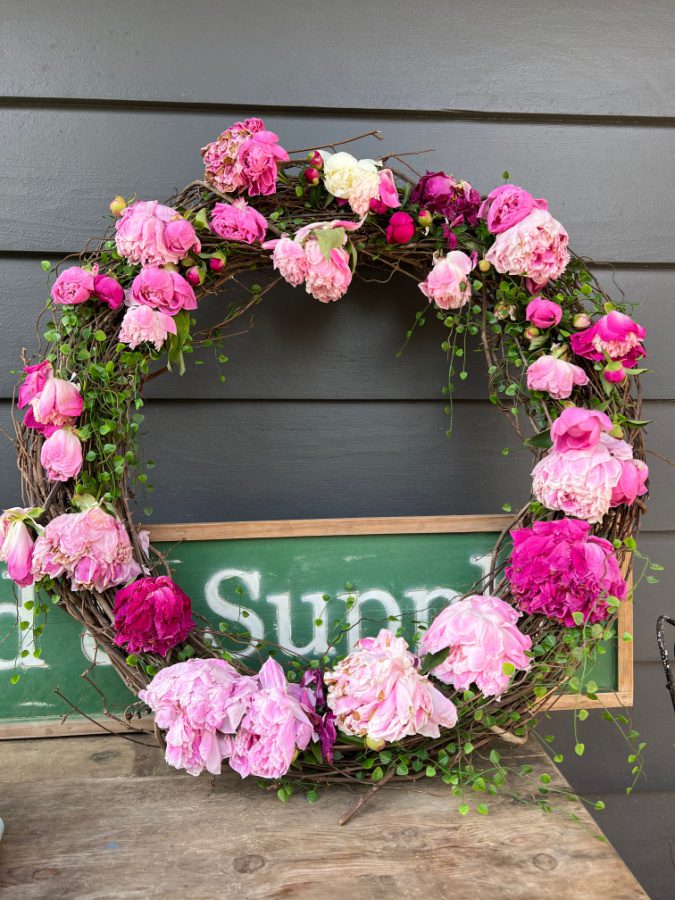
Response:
column 341, row 171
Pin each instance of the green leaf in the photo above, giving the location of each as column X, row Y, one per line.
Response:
column 494, row 757
column 463, row 809
column 431, row 660
column 312, row 796
column 177, row 342
column 377, row 774
column 508, row 668
column 329, row 239
column 541, row 440
column 482, row 809
column 99, row 335
column 200, row 220
column 579, row 749
column 15, row 678
column 45, row 265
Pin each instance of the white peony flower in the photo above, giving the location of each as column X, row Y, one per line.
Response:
column 342, row 170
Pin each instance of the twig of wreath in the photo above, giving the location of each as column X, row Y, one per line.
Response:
column 563, row 366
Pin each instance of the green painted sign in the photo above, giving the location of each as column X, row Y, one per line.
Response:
column 299, row 593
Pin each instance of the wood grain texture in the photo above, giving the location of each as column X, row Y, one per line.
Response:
column 569, row 58
column 92, row 155
column 121, row 821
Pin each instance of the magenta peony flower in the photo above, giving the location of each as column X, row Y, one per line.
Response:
column 313, row 701
column 482, row 636
column 559, row 568
column 244, row 158
column 507, row 205
column 200, row 704
column 555, row 376
column 74, row 285
column 543, row 313
column 142, row 323
column 164, row 290
column 16, row 545
column 326, row 279
column 152, row 615
column 535, row 247
column 35, row 379
column 108, row 291
column 91, row 547
column 274, row 727
column 288, row 258
column 237, row 221
column 447, row 285
column 400, row 229
column 153, row 235
column 58, row 403
column 378, row 692
column 616, row 336
column 577, row 428
column 61, row 455
column 456, row 200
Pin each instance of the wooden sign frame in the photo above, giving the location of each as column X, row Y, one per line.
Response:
column 290, row 528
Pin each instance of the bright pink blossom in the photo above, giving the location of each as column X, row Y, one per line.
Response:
column 535, row 247
column 555, row 376
column 400, row 228
column 377, row 692
column 92, row 548
column 632, row 481
column 237, row 221
column 199, row 703
column 152, row 615
column 481, row 634
column 244, row 158
column 543, row 313
column 447, row 285
column 507, row 205
column 456, row 200
column 326, row 279
column 35, row 379
column 614, row 335
column 143, row 324
column 164, row 290
column 58, row 403
column 61, row 455
column 74, row 285
column 274, row 727
column 109, row 291
column 577, row 428
column 16, row 545
column 559, row 568
column 153, row 235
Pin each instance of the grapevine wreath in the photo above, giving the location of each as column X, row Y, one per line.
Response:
column 563, row 363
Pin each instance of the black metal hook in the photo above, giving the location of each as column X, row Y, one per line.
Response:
column 670, row 679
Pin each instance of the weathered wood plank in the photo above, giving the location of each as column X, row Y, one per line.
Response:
column 91, row 155
column 120, row 822
column 447, row 55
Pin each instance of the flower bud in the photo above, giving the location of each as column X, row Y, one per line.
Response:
column 531, row 332
column 617, row 432
column 311, row 176
column 580, row 321
column 217, row 264
column 374, row 744
column 560, row 351
column 614, row 372
column 424, row 218
column 505, row 310
column 315, row 159
column 377, row 206
column 484, row 265
column 118, row 205
column 195, row 275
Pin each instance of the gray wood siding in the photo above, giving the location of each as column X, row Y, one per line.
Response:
column 317, row 416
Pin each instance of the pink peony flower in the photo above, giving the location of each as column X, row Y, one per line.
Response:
column 543, row 313
column 447, row 285
column 164, row 290
column 142, row 323
column 16, row 545
column 559, row 568
column 109, row 291
column 288, row 258
column 153, row 235
column 91, row 547
column 274, row 727
column 555, row 376
column 58, row 403
column 237, row 221
column 579, row 429
column 481, row 635
column 152, row 615
column 456, row 200
column 535, row 247
column 244, row 157
column 61, row 455
column 400, row 229
column 378, row 692
column 326, row 279
column 74, row 285
column 616, row 336
column 388, row 194
column 35, row 379
column 632, row 481
column 507, row 205
column 200, row 704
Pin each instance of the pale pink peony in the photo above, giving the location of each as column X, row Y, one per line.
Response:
column 74, row 285
column 244, row 158
column 61, row 455
column 326, row 279
column 555, row 376
column 481, row 634
column 199, row 703
column 288, row 258
column 535, row 247
column 378, row 692
column 58, row 403
column 91, row 547
column 153, row 235
column 164, row 290
column 274, row 727
column 16, row 545
column 447, row 285
column 237, row 221
column 507, row 205
column 142, row 323
column 370, row 186
column 577, row 428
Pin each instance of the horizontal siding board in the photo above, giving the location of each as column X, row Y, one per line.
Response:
column 653, row 599
column 60, row 168
column 303, row 350
column 569, row 58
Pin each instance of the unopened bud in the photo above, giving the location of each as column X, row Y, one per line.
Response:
column 195, row 275
column 614, row 372
column 374, row 744
column 118, row 205
column 311, row 176
column 581, row 321
column 424, row 218
column 484, row 265
column 217, row 264
column 531, row 332
column 315, row 159
column 617, row 432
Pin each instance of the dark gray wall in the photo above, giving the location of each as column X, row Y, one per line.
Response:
column 317, row 416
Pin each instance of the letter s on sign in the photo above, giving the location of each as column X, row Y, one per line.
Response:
column 233, row 611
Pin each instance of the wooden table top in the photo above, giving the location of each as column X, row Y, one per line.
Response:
column 102, row 817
